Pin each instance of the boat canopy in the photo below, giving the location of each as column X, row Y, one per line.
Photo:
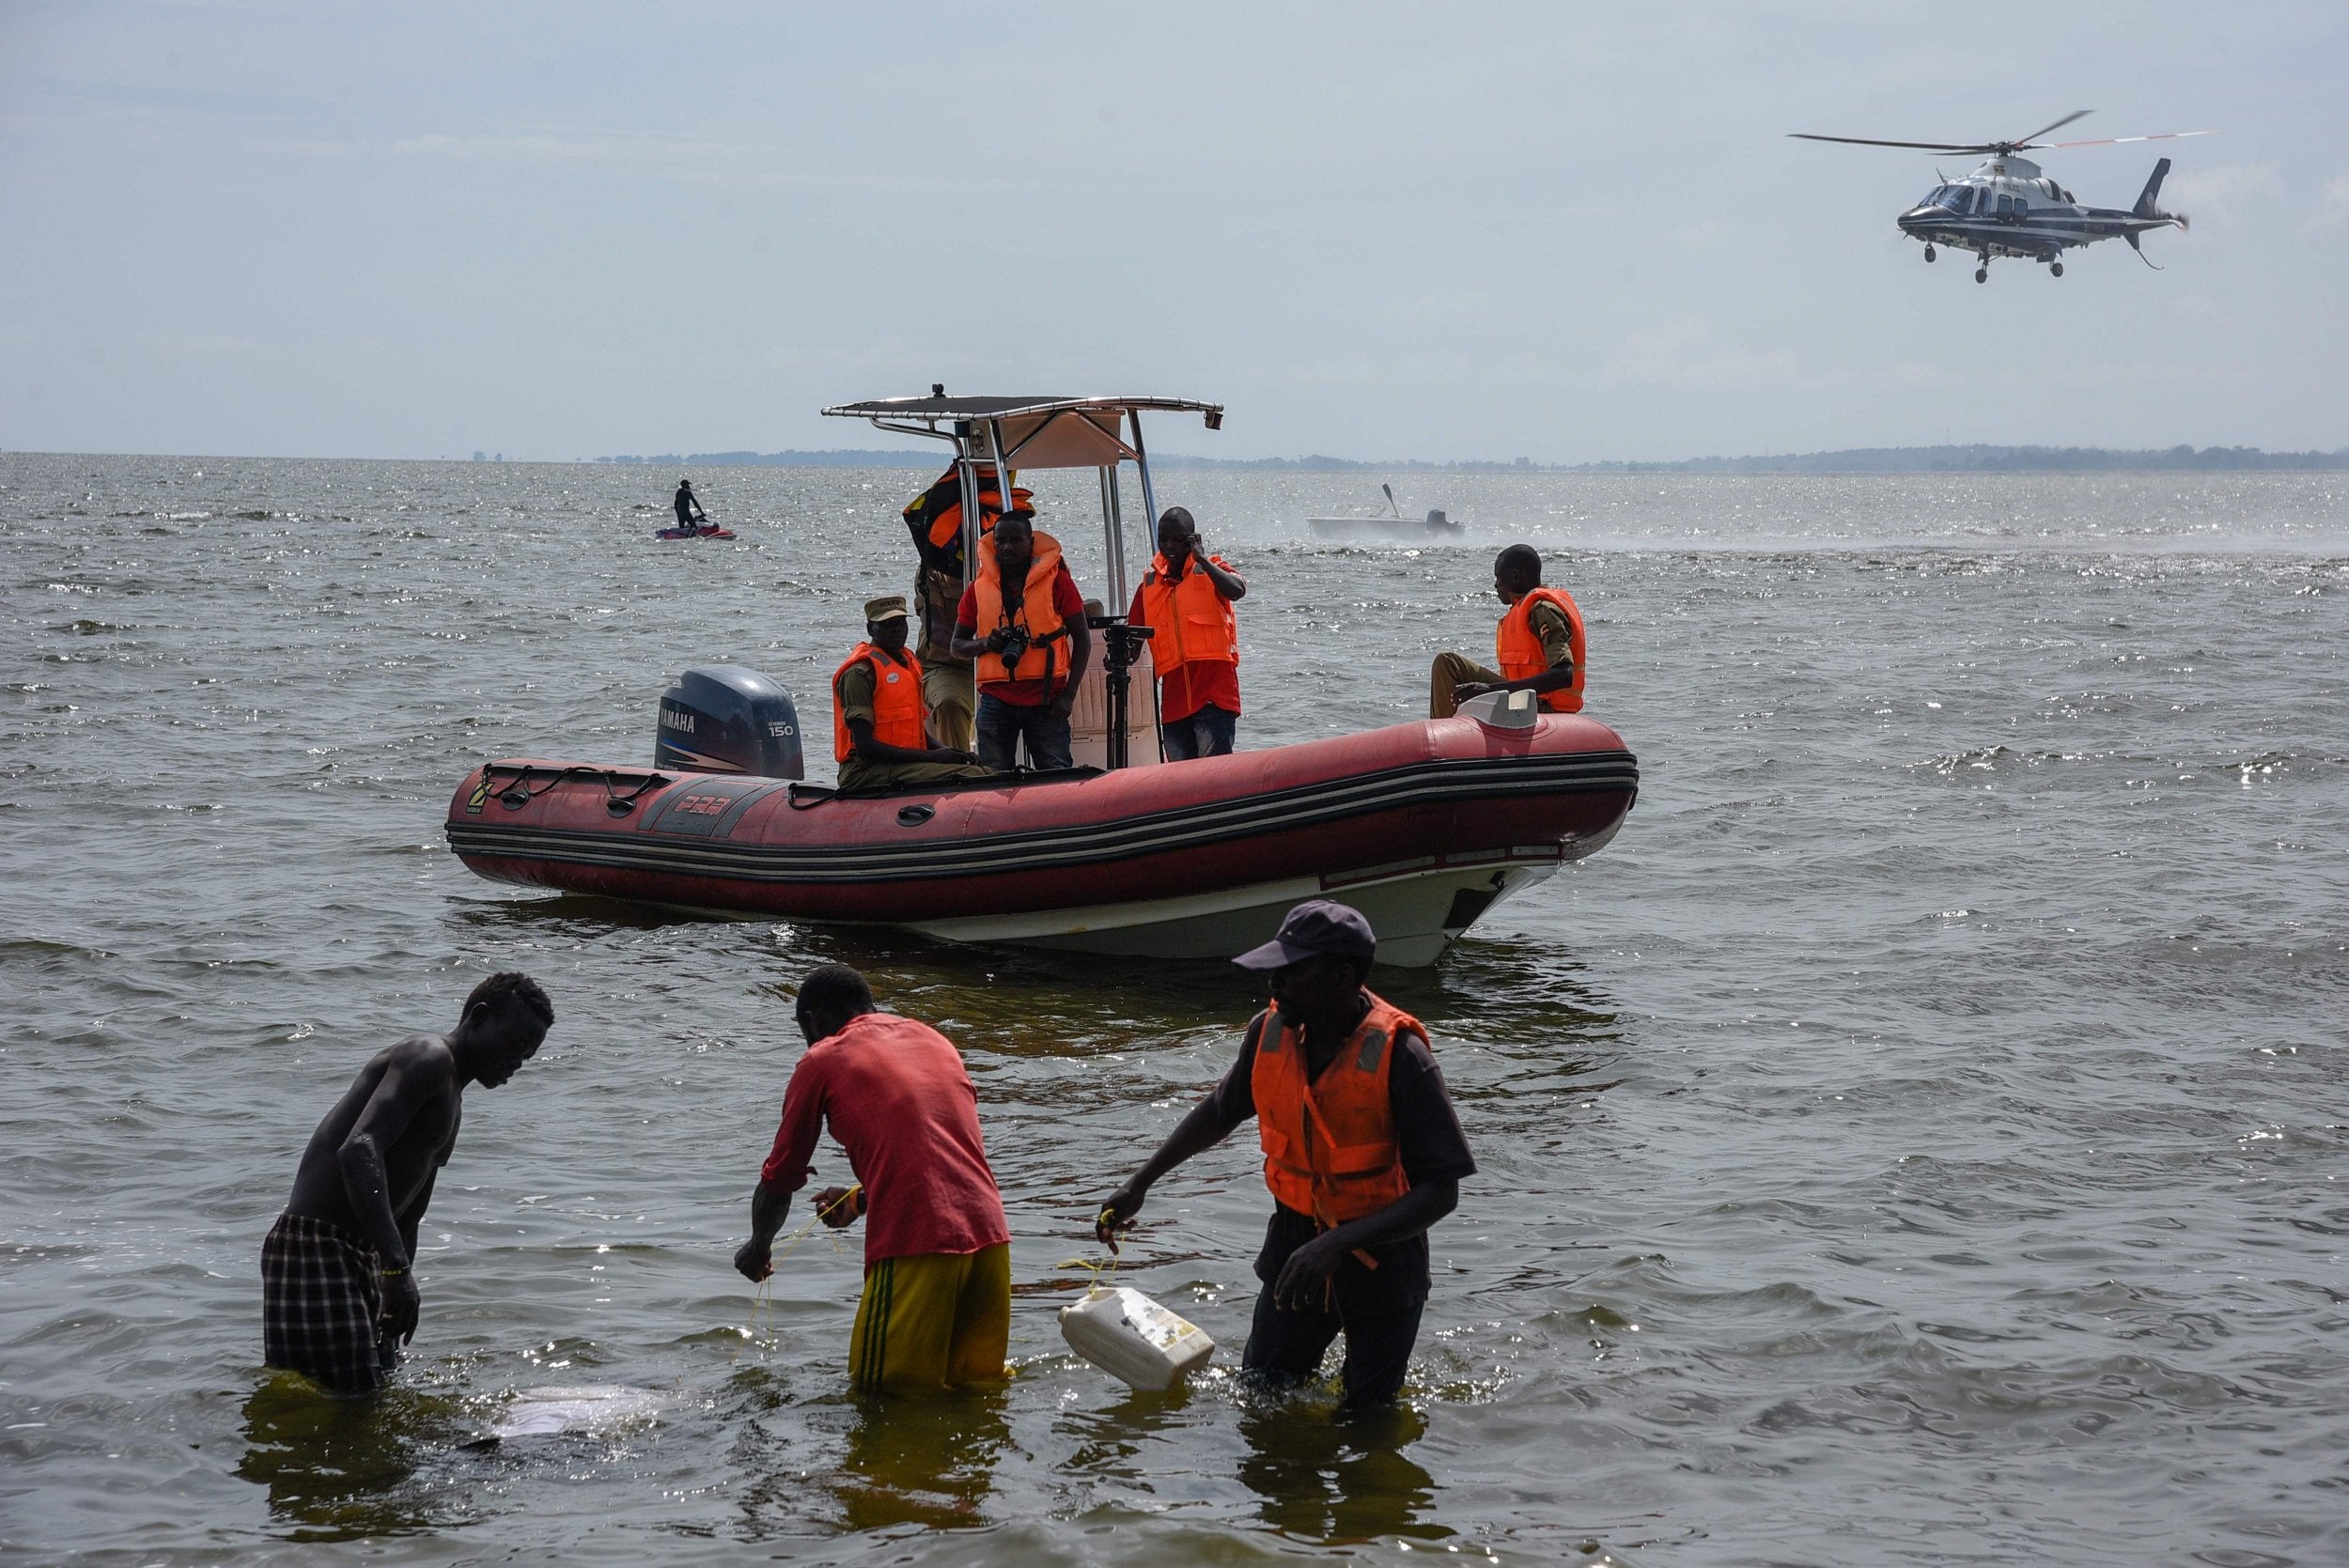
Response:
column 1005, row 434
column 1029, row 432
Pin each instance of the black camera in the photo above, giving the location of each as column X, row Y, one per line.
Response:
column 1016, row 640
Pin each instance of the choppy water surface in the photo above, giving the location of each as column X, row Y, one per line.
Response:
column 1917, row 1138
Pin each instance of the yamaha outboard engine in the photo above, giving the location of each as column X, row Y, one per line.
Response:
column 728, row 719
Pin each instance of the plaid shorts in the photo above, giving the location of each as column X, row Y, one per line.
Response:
column 321, row 1303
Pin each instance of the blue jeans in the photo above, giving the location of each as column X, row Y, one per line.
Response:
column 1205, row 734
column 1003, row 725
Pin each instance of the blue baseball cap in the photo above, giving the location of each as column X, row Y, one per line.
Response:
column 1317, row 925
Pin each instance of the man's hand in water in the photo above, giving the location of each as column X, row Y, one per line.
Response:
column 401, row 1302
column 754, row 1260
column 837, row 1206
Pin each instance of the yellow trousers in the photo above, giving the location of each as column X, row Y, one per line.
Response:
column 933, row 1321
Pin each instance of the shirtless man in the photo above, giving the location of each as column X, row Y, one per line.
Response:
column 337, row 1295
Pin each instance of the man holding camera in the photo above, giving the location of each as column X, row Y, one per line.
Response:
column 1033, row 649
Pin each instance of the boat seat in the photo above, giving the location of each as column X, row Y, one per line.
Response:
column 1504, row 710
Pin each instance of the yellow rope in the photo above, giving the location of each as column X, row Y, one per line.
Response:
column 1096, row 1269
column 762, row 1303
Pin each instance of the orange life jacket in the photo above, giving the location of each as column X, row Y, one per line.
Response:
column 1046, row 631
column 1329, row 1148
column 1193, row 623
column 1521, row 652
column 897, row 711
column 936, row 514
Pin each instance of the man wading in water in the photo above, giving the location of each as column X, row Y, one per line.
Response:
column 1363, row 1153
column 936, row 1311
column 339, row 1297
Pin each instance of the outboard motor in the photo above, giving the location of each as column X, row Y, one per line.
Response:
column 728, row 719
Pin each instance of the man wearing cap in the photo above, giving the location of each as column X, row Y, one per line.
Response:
column 1361, row 1150
column 880, row 724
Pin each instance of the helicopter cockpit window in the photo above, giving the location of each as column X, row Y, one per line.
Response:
column 1958, row 199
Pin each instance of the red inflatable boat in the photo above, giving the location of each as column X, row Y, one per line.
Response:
column 1423, row 827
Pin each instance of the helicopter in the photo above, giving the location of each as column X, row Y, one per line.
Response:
column 2009, row 207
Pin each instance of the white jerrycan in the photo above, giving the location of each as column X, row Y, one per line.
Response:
column 1131, row 1337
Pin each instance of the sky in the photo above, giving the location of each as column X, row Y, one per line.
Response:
column 1558, row 231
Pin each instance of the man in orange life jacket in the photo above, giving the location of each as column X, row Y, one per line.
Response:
column 1021, row 623
column 1363, row 1153
column 1186, row 600
column 879, row 727
column 935, row 519
column 1540, row 644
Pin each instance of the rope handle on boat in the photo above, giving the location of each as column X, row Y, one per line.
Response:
column 518, row 792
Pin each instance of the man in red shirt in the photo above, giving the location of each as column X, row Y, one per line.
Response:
column 1186, row 600
column 937, row 1305
column 1023, row 624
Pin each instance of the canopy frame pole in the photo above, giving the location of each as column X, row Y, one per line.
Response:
column 1141, row 464
column 1114, row 526
column 995, row 451
column 966, row 470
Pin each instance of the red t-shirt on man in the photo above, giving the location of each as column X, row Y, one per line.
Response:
column 896, row 1097
column 1026, row 693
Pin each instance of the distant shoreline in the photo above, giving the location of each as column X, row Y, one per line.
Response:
column 1979, row 458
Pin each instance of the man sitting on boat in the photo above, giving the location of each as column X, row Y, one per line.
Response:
column 1539, row 643
column 1034, row 649
column 1186, row 600
column 880, row 723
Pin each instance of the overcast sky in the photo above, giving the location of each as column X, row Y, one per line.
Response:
column 1557, row 231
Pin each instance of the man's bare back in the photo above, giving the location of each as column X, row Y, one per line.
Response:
column 366, row 1177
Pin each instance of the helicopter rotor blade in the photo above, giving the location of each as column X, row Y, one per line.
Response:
column 2020, row 142
column 1923, row 146
column 2115, row 141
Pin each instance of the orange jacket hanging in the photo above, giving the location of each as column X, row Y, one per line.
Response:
column 1329, row 1145
column 935, row 516
column 1522, row 653
column 897, row 711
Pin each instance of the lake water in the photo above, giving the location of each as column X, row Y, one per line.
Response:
column 1917, row 1138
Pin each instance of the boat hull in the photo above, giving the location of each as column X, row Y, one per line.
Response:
column 1384, row 528
column 1431, row 822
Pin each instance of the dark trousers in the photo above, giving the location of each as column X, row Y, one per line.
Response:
column 1207, row 733
column 1003, row 725
column 1285, row 1346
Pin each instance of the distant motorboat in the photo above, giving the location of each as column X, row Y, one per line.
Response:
column 1394, row 525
